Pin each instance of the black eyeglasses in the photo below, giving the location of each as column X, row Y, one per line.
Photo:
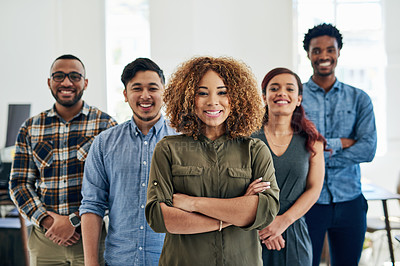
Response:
column 60, row 76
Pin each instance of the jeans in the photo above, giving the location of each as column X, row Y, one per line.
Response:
column 345, row 223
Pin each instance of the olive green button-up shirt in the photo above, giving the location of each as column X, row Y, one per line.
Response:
column 221, row 168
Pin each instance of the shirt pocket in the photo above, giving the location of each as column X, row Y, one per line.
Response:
column 187, row 179
column 239, row 180
column 43, row 154
column 346, row 122
column 313, row 116
column 83, row 146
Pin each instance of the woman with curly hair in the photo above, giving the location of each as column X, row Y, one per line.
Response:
column 297, row 151
column 213, row 186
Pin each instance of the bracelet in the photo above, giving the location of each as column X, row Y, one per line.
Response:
column 220, row 226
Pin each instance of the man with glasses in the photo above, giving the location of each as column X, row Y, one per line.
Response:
column 46, row 176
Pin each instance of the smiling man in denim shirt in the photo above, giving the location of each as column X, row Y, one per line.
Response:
column 345, row 116
column 117, row 171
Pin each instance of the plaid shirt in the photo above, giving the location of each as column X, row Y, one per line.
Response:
column 49, row 160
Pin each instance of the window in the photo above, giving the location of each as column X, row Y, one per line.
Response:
column 362, row 59
column 127, row 38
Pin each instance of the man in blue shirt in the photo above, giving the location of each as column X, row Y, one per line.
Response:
column 117, row 171
column 345, row 116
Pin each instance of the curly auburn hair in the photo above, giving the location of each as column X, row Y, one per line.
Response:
column 246, row 106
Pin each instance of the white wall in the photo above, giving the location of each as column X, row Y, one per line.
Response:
column 257, row 32
column 260, row 33
column 33, row 34
column 385, row 170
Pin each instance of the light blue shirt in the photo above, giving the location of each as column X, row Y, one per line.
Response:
column 343, row 112
column 115, row 178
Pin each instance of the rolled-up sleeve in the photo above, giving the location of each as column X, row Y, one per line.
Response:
column 268, row 201
column 365, row 135
column 23, row 177
column 95, row 182
column 160, row 188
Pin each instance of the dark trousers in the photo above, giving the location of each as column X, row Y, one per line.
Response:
column 345, row 223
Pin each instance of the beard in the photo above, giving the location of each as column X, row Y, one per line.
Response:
column 68, row 103
column 324, row 74
column 146, row 119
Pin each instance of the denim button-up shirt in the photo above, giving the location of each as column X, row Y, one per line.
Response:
column 115, row 178
column 343, row 112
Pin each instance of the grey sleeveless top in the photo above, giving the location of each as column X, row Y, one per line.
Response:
column 291, row 170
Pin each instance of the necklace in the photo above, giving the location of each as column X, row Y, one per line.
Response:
column 273, row 143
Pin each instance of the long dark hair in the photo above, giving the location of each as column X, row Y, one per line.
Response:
column 300, row 124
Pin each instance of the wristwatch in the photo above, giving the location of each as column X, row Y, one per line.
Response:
column 75, row 221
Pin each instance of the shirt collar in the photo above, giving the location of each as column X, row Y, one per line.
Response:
column 85, row 111
column 154, row 130
column 221, row 139
column 314, row 87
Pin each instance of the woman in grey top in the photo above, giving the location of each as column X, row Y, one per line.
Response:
column 297, row 152
column 205, row 190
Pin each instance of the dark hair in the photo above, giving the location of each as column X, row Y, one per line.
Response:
column 277, row 71
column 321, row 30
column 69, row 57
column 300, row 124
column 244, row 97
column 140, row 64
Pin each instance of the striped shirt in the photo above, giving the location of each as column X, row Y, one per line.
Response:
column 49, row 159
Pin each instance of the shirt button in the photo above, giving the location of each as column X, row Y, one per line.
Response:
column 143, row 184
column 155, row 183
column 142, row 206
column 141, row 227
column 144, row 162
column 145, row 142
column 140, row 248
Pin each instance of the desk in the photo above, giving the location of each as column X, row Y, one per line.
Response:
column 8, row 222
column 374, row 192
